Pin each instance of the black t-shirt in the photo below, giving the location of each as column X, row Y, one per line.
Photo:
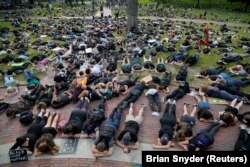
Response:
column 204, row 113
column 167, row 126
column 133, row 128
column 140, row 87
column 128, row 82
column 78, row 117
column 49, row 130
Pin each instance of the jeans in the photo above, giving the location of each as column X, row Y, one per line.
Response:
column 154, row 100
column 29, row 75
column 176, row 94
column 115, row 121
column 227, row 96
column 101, row 106
column 243, row 141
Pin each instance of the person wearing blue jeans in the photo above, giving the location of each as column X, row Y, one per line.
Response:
column 31, row 78
column 104, row 144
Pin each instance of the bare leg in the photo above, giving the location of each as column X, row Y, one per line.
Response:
column 41, row 113
column 54, row 123
column 238, row 106
column 233, row 103
column 46, row 113
column 194, row 111
column 131, row 110
column 141, row 112
column 185, row 112
column 150, row 58
column 124, row 61
column 197, row 98
column 144, row 59
column 49, row 121
column 204, row 98
column 158, row 60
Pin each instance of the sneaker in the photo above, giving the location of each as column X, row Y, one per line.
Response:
column 248, row 130
column 86, row 98
column 174, row 102
column 131, row 104
column 18, row 115
column 155, row 113
column 242, row 126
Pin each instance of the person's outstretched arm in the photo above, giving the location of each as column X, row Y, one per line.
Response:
column 105, row 153
column 158, row 145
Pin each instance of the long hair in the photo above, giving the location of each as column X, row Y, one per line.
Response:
column 46, row 144
column 184, row 131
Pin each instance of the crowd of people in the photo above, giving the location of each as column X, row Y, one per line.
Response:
column 86, row 69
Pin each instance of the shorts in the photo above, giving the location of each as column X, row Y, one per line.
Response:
column 203, row 104
column 188, row 119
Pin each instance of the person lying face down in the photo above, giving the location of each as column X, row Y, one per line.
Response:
column 75, row 123
column 28, row 140
column 168, row 121
column 45, row 144
column 103, row 145
column 128, row 137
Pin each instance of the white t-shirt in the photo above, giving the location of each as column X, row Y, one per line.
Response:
column 151, row 91
column 96, row 69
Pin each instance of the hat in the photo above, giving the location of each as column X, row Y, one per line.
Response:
column 126, row 138
column 164, row 139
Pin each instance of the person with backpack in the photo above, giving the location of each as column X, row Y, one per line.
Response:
column 168, row 122
column 128, row 137
column 182, row 74
column 202, row 140
column 243, row 141
column 165, row 81
column 179, row 92
column 192, row 60
column 96, row 117
column 34, row 132
column 104, row 144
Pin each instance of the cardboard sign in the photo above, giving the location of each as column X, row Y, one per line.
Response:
column 147, row 79
column 88, row 50
column 18, row 155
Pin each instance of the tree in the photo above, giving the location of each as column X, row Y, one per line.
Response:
column 132, row 13
column 198, row 3
column 246, row 2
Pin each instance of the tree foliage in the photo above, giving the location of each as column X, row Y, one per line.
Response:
column 246, row 2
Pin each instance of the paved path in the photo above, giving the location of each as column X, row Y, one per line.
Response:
column 84, row 151
column 106, row 12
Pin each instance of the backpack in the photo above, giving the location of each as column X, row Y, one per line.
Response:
column 182, row 74
column 108, row 132
column 26, row 117
column 203, row 140
column 96, row 115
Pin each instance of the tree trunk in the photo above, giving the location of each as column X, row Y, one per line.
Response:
column 132, row 13
column 247, row 3
column 198, row 3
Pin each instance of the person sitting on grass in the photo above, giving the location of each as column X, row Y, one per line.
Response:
column 34, row 132
column 46, row 144
column 104, row 144
column 128, row 137
column 168, row 121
